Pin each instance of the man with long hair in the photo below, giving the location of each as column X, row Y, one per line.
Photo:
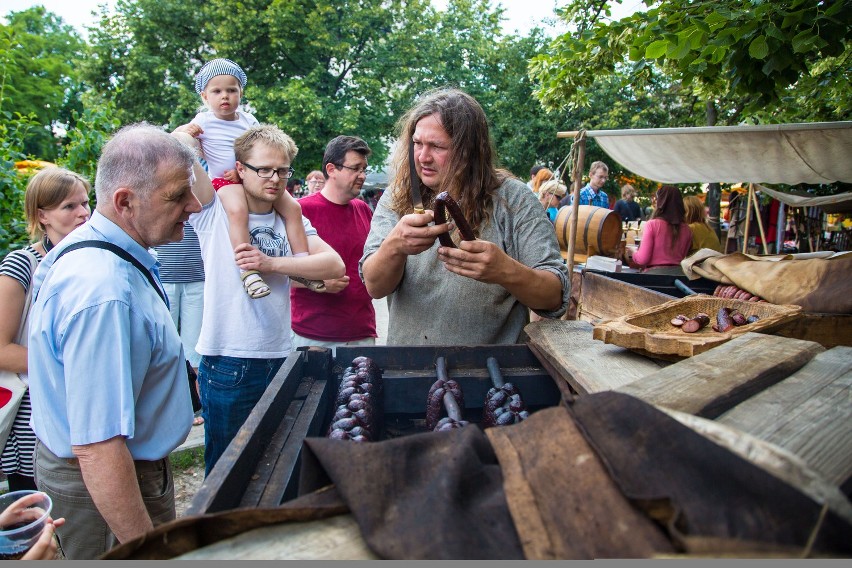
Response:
column 479, row 292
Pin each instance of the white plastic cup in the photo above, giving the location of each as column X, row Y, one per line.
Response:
column 21, row 532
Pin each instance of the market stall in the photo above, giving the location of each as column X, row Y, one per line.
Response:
column 609, row 429
column 788, row 153
column 779, row 153
column 743, row 448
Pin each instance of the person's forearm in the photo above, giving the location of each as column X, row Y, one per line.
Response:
column 536, row 289
column 203, row 187
column 324, row 265
column 13, row 358
column 110, row 477
column 383, row 271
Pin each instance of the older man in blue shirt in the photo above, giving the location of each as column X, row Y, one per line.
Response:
column 107, row 370
column 592, row 194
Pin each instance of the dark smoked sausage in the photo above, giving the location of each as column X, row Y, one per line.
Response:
column 444, row 203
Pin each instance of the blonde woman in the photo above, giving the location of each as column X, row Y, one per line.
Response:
column 549, row 195
column 703, row 235
column 56, row 202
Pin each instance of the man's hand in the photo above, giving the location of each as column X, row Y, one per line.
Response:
column 486, row 262
column 336, row 285
column 232, row 175
column 480, row 260
column 190, row 128
column 249, row 257
column 413, row 234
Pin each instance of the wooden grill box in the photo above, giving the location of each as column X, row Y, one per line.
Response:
column 650, row 331
column 260, row 468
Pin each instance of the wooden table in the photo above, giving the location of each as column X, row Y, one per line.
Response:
column 783, row 403
column 792, row 394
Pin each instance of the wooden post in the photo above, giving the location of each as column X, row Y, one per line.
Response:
column 753, row 196
column 575, row 205
column 747, row 219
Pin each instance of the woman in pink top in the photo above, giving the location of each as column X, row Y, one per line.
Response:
column 666, row 238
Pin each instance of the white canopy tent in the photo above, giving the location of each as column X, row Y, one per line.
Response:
column 819, row 152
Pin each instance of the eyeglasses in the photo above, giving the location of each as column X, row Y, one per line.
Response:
column 317, row 180
column 267, row 173
column 358, row 171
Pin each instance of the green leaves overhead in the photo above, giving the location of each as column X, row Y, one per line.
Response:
column 37, row 73
column 748, row 55
column 320, row 68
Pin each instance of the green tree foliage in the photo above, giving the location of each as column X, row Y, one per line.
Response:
column 14, row 129
column 37, row 74
column 320, row 68
column 143, row 58
column 91, row 131
column 751, row 57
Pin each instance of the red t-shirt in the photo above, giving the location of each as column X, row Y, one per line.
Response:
column 349, row 314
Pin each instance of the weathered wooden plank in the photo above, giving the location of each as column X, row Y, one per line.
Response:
column 424, row 356
column 809, row 414
column 570, row 353
column 776, row 460
column 335, row 538
column 715, row 381
column 264, row 473
column 285, row 470
column 224, row 487
column 829, row 330
column 606, row 298
column 563, row 502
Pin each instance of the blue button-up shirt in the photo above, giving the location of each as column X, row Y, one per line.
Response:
column 589, row 196
column 104, row 356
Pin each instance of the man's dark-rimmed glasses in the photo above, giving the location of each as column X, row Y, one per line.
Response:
column 267, row 173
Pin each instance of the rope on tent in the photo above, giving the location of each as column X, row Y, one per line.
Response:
column 570, row 157
column 577, row 155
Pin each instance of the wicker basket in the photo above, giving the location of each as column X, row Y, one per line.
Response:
column 650, row 331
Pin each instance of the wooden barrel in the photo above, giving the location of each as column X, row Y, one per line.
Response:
column 598, row 230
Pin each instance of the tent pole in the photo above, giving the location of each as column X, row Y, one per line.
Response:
column 575, row 204
column 748, row 218
column 759, row 220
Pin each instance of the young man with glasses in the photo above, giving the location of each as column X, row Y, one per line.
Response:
column 592, row 193
column 243, row 342
column 343, row 313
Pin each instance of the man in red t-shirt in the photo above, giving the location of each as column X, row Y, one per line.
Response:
column 343, row 314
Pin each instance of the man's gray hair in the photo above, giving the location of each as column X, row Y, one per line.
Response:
column 133, row 157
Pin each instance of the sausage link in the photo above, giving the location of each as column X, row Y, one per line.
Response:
column 696, row 323
column 723, row 320
column 444, row 203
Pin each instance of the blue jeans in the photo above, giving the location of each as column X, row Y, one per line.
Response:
column 230, row 388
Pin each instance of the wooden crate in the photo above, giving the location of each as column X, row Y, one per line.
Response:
column 650, row 331
column 260, row 468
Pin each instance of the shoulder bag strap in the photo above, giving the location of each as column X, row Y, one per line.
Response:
column 117, row 250
column 23, row 328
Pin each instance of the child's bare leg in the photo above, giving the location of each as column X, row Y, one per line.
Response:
column 286, row 206
column 291, row 211
column 234, row 201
